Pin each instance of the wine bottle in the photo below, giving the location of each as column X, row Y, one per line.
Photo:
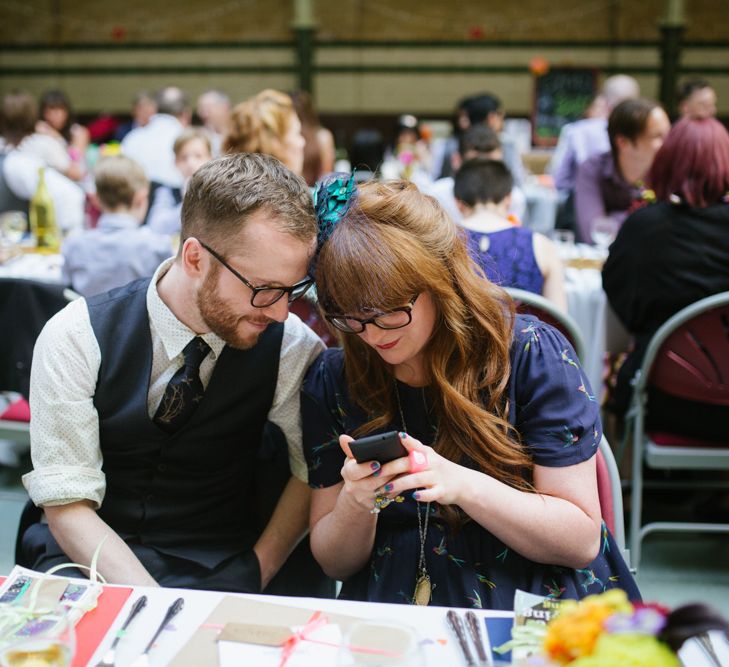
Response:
column 43, row 218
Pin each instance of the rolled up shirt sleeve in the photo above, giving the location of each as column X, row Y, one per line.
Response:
column 299, row 347
column 64, row 428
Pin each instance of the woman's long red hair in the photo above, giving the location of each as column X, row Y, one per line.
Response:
column 395, row 243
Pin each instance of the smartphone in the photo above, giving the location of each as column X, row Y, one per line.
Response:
column 382, row 447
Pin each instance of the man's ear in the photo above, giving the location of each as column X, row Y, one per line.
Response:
column 464, row 208
column 456, row 161
column 192, row 256
column 622, row 142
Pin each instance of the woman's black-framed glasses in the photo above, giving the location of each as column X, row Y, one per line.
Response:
column 262, row 297
column 397, row 318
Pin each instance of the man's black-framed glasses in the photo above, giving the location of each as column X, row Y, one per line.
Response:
column 262, row 297
column 397, row 318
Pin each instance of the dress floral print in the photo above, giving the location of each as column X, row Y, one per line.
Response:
column 555, row 412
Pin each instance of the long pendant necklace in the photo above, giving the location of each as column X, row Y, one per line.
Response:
column 423, row 586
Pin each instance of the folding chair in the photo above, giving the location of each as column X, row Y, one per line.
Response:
column 534, row 304
column 28, row 304
column 688, row 358
column 610, row 493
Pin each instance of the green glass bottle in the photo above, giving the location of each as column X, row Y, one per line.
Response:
column 43, row 218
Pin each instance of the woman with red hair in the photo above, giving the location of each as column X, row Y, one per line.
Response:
column 673, row 253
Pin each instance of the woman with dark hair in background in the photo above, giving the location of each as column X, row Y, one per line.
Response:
column 495, row 406
column 57, row 121
column 671, row 254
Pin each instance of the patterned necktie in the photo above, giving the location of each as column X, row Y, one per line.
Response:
column 185, row 389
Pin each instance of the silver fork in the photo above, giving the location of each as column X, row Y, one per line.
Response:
column 110, row 655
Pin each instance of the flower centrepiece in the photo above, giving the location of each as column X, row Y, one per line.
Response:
column 606, row 630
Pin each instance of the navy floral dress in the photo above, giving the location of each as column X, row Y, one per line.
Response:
column 553, row 409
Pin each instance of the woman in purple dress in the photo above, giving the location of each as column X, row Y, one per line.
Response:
column 510, row 255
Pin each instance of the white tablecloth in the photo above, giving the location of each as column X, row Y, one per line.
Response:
column 602, row 331
column 428, row 621
column 587, row 305
column 33, row 266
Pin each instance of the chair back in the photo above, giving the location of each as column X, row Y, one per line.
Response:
column 610, row 492
column 528, row 303
column 688, row 357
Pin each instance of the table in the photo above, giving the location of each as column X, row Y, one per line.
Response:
column 429, row 621
column 587, row 304
column 33, row 266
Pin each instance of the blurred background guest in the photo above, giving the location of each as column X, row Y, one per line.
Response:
column 696, row 99
column 118, row 250
column 610, row 183
column 671, row 254
column 144, row 106
column 408, row 157
column 589, row 136
column 319, row 150
column 57, row 121
column 367, row 154
column 28, row 152
column 192, row 150
column 479, row 141
column 151, row 145
column 213, row 109
column 267, row 123
column 510, row 255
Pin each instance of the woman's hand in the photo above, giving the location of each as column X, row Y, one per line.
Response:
column 440, row 482
column 362, row 480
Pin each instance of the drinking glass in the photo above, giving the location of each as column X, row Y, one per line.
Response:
column 381, row 644
column 604, row 231
column 47, row 643
column 13, row 226
column 565, row 242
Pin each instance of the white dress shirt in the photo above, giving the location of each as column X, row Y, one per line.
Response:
column 152, row 147
column 64, row 429
column 20, row 171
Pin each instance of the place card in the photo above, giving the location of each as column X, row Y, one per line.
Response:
column 264, row 635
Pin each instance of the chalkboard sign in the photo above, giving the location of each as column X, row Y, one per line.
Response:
column 561, row 96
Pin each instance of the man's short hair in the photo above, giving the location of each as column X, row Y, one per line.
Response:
column 689, row 87
column 479, row 107
column 190, row 134
column 629, row 119
column 173, row 101
column 224, row 192
column 118, row 178
column 18, row 116
column 482, row 181
column 479, row 139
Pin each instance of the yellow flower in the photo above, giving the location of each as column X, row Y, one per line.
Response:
column 579, row 625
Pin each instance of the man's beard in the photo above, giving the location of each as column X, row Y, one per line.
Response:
column 221, row 320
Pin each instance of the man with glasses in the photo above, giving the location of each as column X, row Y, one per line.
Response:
column 149, row 402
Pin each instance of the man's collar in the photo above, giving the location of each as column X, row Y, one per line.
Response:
column 173, row 333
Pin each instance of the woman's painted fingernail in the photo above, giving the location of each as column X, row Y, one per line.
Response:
column 377, row 473
column 388, row 488
column 403, row 435
column 416, row 495
column 375, row 465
